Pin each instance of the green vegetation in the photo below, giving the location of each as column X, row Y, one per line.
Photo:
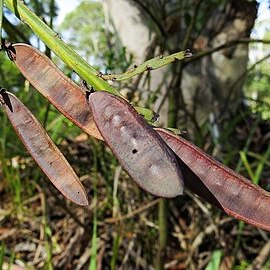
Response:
column 121, row 228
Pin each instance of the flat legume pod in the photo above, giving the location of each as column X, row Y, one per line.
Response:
column 62, row 92
column 219, row 185
column 43, row 150
column 140, row 150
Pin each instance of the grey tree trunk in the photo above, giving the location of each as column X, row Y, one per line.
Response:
column 190, row 94
column 209, row 88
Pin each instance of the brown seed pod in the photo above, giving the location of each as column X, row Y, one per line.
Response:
column 140, row 150
column 62, row 92
column 219, row 185
column 43, row 150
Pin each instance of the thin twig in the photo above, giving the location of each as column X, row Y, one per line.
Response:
column 133, row 213
column 227, row 45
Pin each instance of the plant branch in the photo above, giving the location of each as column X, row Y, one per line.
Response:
column 227, row 45
column 152, row 16
column 68, row 55
column 151, row 64
column 191, row 25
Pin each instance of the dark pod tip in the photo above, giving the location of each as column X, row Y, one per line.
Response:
column 6, row 99
column 45, row 152
column 140, row 150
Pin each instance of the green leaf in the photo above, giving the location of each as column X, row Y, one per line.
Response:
column 214, row 263
column 245, row 161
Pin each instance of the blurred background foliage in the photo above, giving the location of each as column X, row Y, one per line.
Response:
column 86, row 29
column 124, row 228
column 257, row 80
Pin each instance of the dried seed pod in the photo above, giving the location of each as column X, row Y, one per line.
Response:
column 43, row 150
column 62, row 92
column 140, row 150
column 219, row 185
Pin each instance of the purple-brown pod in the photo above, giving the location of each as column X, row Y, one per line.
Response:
column 218, row 184
column 62, row 92
column 43, row 150
column 138, row 147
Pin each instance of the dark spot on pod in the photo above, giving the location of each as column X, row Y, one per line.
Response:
column 149, row 68
column 84, row 116
column 135, row 66
column 139, row 149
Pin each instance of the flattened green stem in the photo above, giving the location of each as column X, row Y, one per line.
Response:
column 58, row 46
column 61, row 49
column 151, row 64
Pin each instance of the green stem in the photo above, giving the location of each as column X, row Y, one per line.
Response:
column 58, row 46
column 94, row 241
column 148, row 65
column 163, row 234
column 68, row 55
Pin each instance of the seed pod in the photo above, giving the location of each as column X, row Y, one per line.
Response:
column 219, row 185
column 43, row 150
column 140, row 150
column 62, row 92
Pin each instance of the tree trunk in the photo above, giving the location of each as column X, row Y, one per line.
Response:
column 195, row 92
column 208, row 88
